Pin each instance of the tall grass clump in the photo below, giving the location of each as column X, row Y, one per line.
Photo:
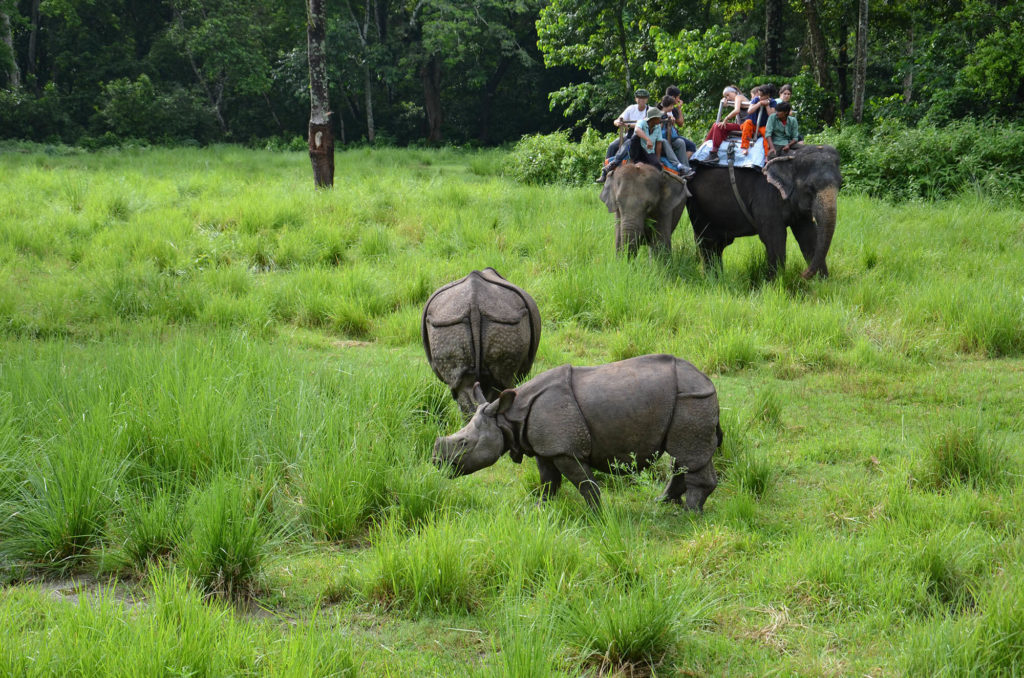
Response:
column 59, row 515
column 226, row 543
column 433, row 570
column 617, row 629
column 151, row 525
column 341, row 492
column 963, row 454
column 523, row 647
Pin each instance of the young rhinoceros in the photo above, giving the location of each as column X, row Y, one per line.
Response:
column 481, row 328
column 576, row 419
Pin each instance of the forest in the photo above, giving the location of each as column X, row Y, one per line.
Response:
column 97, row 73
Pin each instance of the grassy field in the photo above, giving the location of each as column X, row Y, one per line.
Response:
column 216, row 420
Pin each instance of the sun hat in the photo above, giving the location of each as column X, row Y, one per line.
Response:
column 654, row 113
column 642, row 94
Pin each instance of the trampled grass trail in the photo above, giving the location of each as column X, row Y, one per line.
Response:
column 216, row 420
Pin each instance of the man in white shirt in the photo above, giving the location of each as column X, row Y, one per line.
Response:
column 629, row 118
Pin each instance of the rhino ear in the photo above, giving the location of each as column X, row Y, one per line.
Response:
column 502, row 404
column 478, row 394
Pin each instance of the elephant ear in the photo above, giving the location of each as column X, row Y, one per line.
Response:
column 608, row 195
column 674, row 192
column 781, row 173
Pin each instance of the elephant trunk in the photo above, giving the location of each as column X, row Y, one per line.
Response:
column 824, row 212
column 632, row 230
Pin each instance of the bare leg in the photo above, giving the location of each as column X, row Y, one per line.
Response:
column 550, row 478
column 580, row 475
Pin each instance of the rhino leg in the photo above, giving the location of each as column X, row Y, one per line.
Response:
column 550, row 478
column 580, row 475
column 699, row 484
column 676, row 484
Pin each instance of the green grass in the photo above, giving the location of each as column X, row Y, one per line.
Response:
column 216, row 421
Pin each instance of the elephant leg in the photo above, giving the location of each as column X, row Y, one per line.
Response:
column 550, row 478
column 663, row 239
column 774, row 240
column 711, row 252
column 807, row 237
column 580, row 475
column 631, row 242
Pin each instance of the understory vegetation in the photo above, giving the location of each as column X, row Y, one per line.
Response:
column 216, row 422
column 886, row 159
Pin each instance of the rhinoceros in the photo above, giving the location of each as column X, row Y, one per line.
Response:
column 481, row 328
column 621, row 415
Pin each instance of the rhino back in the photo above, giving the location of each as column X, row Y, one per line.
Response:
column 628, row 405
column 480, row 323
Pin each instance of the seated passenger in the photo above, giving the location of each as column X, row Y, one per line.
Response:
column 782, row 132
column 629, row 118
column 680, row 144
column 785, row 94
column 642, row 146
column 761, row 106
column 731, row 96
column 677, row 159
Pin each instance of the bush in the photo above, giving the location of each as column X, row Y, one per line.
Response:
column 555, row 159
column 139, row 109
column 897, row 162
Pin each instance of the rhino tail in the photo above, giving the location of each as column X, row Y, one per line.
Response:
column 721, row 435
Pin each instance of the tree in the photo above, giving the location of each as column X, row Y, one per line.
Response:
column 321, row 138
column 773, row 36
column 860, row 62
column 8, row 58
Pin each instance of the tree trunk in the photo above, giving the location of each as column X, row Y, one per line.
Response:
column 487, row 100
column 843, row 67
column 33, row 39
column 819, row 55
column 321, row 139
column 624, row 50
column 430, row 74
column 13, row 73
column 773, row 37
column 908, row 77
column 861, row 65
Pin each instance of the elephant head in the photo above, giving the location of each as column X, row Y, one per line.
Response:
column 636, row 192
column 809, row 179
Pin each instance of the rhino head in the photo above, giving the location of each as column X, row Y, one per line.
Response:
column 480, row 442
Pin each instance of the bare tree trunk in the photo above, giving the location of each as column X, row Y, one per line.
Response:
column 908, row 77
column 430, row 74
column 772, row 37
column 321, row 139
column 623, row 48
column 843, row 67
column 363, row 31
column 819, row 55
column 861, row 62
column 13, row 73
column 33, row 38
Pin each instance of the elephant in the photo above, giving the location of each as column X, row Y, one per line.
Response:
column 637, row 191
column 798, row 190
column 480, row 328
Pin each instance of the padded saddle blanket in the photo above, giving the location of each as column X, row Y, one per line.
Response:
column 755, row 156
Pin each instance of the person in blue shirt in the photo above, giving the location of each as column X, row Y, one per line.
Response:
column 761, row 106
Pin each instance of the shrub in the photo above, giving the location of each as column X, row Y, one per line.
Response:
column 896, row 162
column 554, row 159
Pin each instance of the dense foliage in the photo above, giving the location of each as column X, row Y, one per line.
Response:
column 97, row 72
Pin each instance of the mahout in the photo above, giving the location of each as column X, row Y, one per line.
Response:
column 480, row 329
column 575, row 420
